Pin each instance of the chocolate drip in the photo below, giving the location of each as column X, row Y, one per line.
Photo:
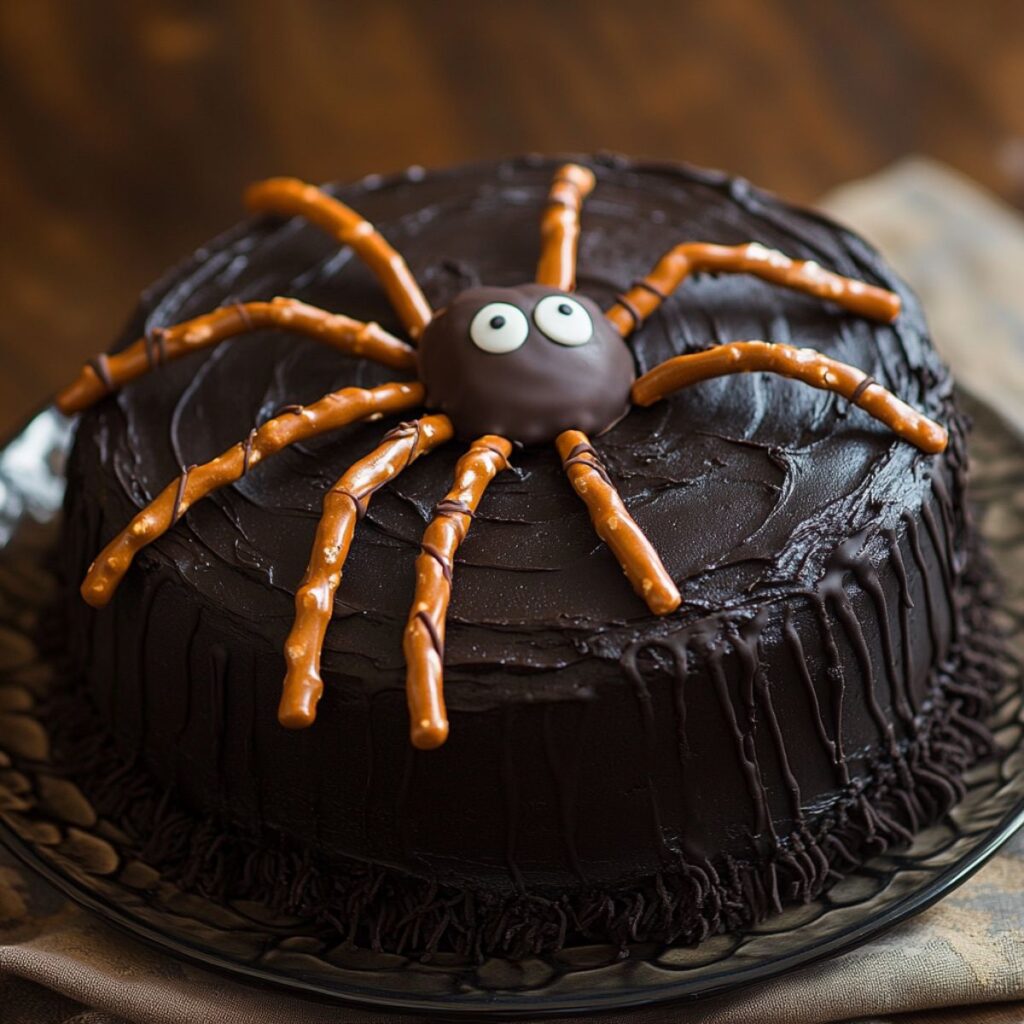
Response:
column 648, row 727
column 837, row 677
column 946, row 565
column 510, row 788
column 747, row 765
column 799, row 659
column 898, row 680
column 564, row 766
column 923, row 567
column 906, row 603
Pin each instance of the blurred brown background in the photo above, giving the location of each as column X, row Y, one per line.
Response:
column 127, row 129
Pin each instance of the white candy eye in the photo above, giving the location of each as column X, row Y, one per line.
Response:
column 564, row 320
column 499, row 327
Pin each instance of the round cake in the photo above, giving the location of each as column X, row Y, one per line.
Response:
column 610, row 774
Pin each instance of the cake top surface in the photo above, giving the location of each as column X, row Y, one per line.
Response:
column 744, row 484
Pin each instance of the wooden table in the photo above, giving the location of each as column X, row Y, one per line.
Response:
column 127, row 129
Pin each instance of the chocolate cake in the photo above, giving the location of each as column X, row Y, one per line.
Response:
column 791, row 684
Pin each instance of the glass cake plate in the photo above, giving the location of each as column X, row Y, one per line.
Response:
column 57, row 834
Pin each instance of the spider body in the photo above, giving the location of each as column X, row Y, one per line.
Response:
column 527, row 363
column 531, row 364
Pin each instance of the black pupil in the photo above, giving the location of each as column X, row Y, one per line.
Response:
column 497, row 322
column 565, row 309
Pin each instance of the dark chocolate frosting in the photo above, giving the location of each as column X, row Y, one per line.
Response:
column 770, row 470
column 819, row 559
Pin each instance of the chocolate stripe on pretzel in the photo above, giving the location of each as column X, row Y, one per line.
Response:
column 646, row 286
column 247, row 450
column 861, row 388
column 453, row 507
column 156, row 347
column 584, row 454
column 441, row 560
column 435, row 637
column 101, row 367
column 410, row 428
column 242, row 310
column 633, row 312
column 179, row 494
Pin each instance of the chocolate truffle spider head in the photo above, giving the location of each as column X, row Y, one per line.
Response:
column 526, row 363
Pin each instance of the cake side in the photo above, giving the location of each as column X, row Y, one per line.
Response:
column 821, row 562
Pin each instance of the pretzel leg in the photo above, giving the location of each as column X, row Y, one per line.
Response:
column 289, row 197
column 337, row 409
column 646, row 295
column 560, row 226
column 346, row 502
column 104, row 374
column 803, row 364
column 424, row 632
column 614, row 525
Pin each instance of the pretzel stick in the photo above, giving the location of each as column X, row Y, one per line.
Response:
column 344, row 503
column 646, row 295
column 424, row 632
column 803, row 364
column 560, row 226
column 334, row 410
column 289, row 197
column 614, row 525
column 353, row 337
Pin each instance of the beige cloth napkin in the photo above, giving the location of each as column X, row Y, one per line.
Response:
column 964, row 253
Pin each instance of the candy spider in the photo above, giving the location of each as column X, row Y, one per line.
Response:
column 531, row 364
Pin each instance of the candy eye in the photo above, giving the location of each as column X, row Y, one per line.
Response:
column 499, row 327
column 564, row 320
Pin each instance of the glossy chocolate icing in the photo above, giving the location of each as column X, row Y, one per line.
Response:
column 594, row 746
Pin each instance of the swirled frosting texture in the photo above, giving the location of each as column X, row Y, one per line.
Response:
column 819, row 559
column 741, row 483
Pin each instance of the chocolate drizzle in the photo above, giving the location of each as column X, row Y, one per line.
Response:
column 859, row 390
column 101, row 367
column 155, row 346
column 179, row 494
